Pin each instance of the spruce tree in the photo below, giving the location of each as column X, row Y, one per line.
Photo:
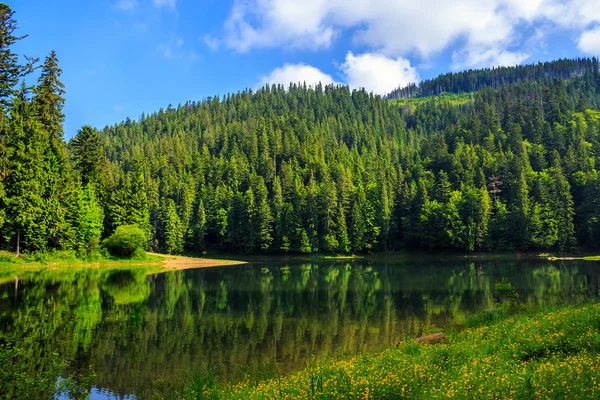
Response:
column 10, row 69
column 87, row 155
column 59, row 193
column 26, row 176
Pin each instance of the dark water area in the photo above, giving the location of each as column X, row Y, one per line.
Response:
column 135, row 328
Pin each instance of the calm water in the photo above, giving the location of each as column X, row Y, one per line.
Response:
column 135, row 328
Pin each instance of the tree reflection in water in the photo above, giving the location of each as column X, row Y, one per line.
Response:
column 135, row 328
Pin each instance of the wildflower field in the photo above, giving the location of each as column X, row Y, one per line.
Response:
column 548, row 354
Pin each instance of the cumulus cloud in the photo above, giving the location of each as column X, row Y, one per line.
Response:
column 279, row 22
column 374, row 72
column 296, row 73
column 377, row 73
column 484, row 31
column 589, row 42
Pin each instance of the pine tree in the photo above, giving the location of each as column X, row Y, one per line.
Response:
column 49, row 100
column 563, row 204
column 138, row 212
column 277, row 212
column 172, row 228
column 87, row 155
column 475, row 212
column 260, row 216
column 25, row 178
column 59, row 193
column 199, row 226
column 520, row 211
column 10, row 69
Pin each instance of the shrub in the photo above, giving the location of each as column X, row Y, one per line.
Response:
column 127, row 241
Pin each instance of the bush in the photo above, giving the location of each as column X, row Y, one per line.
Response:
column 127, row 241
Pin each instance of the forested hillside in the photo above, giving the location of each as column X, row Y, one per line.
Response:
column 299, row 169
column 496, row 78
column 329, row 169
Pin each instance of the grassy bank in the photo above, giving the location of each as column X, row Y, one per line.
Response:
column 70, row 259
column 544, row 354
column 66, row 259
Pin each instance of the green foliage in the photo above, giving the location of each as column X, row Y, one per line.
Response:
column 89, row 220
column 77, row 386
column 507, row 296
column 18, row 381
column 127, row 241
column 87, row 155
column 505, row 290
column 450, row 99
column 10, row 69
column 172, row 228
column 461, row 83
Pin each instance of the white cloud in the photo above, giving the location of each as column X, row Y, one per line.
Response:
column 589, row 42
column 166, row 3
column 374, row 72
column 475, row 57
column 174, row 49
column 296, row 73
column 212, row 42
column 377, row 73
column 127, row 5
column 484, row 31
column 288, row 23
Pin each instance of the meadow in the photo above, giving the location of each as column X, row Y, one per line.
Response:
column 551, row 353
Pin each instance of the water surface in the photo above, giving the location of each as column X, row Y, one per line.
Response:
column 134, row 327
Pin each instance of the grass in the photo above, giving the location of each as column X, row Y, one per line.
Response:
column 67, row 261
column 452, row 99
column 545, row 354
column 70, row 259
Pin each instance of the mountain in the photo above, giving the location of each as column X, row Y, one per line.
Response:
column 501, row 159
column 333, row 170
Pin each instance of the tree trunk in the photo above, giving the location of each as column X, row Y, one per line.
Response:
column 18, row 243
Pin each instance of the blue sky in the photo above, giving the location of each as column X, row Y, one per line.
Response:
column 124, row 57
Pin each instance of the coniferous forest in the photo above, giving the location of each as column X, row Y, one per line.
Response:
column 309, row 169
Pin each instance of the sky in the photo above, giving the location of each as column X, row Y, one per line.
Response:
column 122, row 58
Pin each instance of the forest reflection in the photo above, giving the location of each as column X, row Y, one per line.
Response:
column 134, row 327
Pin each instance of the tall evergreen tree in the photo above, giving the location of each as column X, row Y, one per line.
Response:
column 10, row 69
column 59, row 193
column 87, row 155
column 24, row 203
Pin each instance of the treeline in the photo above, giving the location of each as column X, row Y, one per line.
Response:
column 299, row 169
column 473, row 80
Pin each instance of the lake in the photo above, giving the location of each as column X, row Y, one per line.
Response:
column 259, row 319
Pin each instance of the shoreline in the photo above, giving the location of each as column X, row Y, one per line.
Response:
column 157, row 262
column 538, row 353
column 167, row 262
column 178, row 263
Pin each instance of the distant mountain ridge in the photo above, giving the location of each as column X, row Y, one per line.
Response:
column 473, row 80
